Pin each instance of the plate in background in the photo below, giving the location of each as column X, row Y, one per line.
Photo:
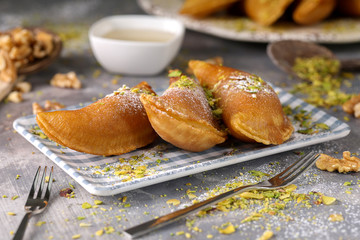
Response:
column 342, row 30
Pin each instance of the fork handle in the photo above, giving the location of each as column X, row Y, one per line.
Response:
column 151, row 225
column 22, row 227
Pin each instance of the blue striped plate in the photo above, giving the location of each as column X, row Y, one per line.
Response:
column 161, row 161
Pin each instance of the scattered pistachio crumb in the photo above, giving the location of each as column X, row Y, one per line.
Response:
column 347, row 183
column 266, row 235
column 227, row 228
column 14, row 197
column 76, row 236
column 173, row 202
column 85, row 224
column 179, row 233
column 336, row 217
column 109, row 230
column 328, row 200
column 40, row 223
column 86, row 205
column 99, row 232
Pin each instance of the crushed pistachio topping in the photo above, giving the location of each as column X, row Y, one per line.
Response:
column 304, row 120
column 131, row 167
column 85, row 225
column 124, row 89
column 322, row 85
column 266, row 235
column 40, row 223
column 37, row 131
column 227, row 228
column 14, row 197
column 260, row 204
column 76, row 236
column 328, row 200
column 173, row 202
column 183, row 82
column 336, row 218
column 86, row 205
column 99, row 232
column 315, row 68
column 175, row 73
column 47, row 179
column 213, row 102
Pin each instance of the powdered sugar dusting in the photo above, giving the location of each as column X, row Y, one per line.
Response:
column 247, row 83
column 189, row 102
column 129, row 100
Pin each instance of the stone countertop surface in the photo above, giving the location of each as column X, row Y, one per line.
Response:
column 63, row 216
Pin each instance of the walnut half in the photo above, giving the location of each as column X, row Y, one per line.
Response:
column 7, row 69
column 347, row 164
column 68, row 80
column 49, row 105
column 353, row 106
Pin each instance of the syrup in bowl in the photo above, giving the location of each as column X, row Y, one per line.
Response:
column 139, row 35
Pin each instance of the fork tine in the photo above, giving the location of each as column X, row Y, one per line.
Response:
column 34, row 184
column 305, row 164
column 42, row 182
column 295, row 165
column 48, row 189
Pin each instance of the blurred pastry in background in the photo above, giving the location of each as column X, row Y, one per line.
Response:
column 308, row 12
column 251, row 109
column 203, row 8
column 265, row 12
column 349, row 7
column 268, row 12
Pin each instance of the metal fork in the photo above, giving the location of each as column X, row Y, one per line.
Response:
column 282, row 179
column 35, row 203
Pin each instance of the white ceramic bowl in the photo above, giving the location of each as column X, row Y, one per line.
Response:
column 133, row 57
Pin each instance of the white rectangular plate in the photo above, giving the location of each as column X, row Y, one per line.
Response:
column 165, row 162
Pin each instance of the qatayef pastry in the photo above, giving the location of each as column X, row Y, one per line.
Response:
column 113, row 125
column 266, row 12
column 251, row 109
column 183, row 117
column 310, row 12
column 203, row 8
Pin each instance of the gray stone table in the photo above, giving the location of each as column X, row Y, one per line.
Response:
column 63, row 217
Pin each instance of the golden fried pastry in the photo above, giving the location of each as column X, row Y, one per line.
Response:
column 203, row 8
column 265, row 12
column 349, row 7
column 183, row 117
column 113, row 125
column 251, row 109
column 313, row 11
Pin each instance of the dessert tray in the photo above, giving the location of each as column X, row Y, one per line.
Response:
column 336, row 30
column 161, row 161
